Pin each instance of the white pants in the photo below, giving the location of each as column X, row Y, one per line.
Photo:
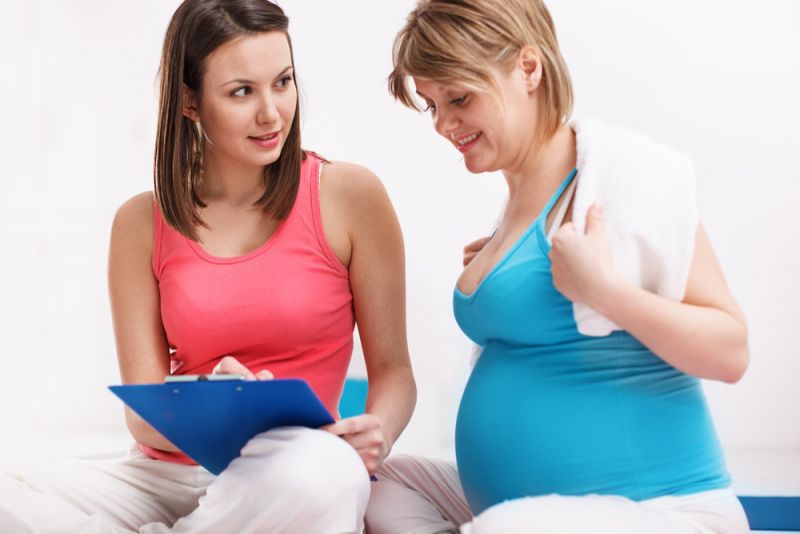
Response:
column 288, row 480
column 415, row 495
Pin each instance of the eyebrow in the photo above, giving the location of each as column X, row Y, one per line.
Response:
column 251, row 82
column 448, row 93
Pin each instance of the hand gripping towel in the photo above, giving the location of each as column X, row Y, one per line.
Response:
column 647, row 192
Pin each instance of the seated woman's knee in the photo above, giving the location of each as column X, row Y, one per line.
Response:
column 396, row 464
column 314, row 465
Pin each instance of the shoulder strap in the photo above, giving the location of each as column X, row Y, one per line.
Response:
column 562, row 210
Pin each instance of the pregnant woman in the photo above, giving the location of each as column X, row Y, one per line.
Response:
column 598, row 303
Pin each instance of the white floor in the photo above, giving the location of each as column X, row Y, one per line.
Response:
column 765, row 473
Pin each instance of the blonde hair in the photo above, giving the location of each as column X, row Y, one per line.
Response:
column 459, row 42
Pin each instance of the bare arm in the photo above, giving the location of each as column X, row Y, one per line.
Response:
column 142, row 348
column 704, row 336
column 377, row 279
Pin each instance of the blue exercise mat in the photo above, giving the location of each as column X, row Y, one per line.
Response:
column 210, row 421
column 354, row 397
column 772, row 513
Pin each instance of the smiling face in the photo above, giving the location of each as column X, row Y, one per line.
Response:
column 450, row 51
column 494, row 128
column 248, row 100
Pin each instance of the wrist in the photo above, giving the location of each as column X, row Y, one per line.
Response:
column 388, row 440
column 387, row 437
column 608, row 294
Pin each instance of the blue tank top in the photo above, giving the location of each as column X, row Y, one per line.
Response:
column 549, row 410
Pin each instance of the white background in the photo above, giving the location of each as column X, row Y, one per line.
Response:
column 718, row 79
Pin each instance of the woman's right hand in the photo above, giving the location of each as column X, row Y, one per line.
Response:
column 229, row 365
column 472, row 249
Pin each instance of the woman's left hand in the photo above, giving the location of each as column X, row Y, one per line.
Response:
column 364, row 433
column 582, row 265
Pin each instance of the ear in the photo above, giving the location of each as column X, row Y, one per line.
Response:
column 189, row 104
column 530, row 64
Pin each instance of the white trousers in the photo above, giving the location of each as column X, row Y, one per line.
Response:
column 415, row 495
column 287, row 480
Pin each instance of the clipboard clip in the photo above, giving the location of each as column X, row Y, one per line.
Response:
column 202, row 378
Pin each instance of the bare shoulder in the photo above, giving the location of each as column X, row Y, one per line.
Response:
column 353, row 181
column 133, row 222
column 354, row 193
column 356, row 210
column 136, row 209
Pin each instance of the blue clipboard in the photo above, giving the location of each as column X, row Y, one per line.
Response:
column 210, row 421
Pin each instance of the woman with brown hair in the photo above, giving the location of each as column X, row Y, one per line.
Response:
column 584, row 411
column 253, row 257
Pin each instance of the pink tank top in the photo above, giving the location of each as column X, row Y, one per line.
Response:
column 286, row 306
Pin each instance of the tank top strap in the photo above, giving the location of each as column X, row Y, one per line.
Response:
column 550, row 203
column 311, row 178
column 562, row 210
column 158, row 226
column 167, row 241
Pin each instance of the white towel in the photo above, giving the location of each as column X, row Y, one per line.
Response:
column 647, row 191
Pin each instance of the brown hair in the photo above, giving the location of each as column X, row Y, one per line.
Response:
column 197, row 28
column 460, row 41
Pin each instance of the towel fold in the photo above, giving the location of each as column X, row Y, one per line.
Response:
column 648, row 195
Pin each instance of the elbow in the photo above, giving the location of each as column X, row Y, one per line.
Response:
column 414, row 395
column 742, row 363
column 136, row 425
column 739, row 360
column 736, row 370
column 411, row 385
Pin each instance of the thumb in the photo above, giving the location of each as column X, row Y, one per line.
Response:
column 265, row 374
column 594, row 220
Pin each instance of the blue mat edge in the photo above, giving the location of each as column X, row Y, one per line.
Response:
column 772, row 513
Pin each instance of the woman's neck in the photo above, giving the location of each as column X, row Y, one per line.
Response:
column 545, row 160
column 230, row 182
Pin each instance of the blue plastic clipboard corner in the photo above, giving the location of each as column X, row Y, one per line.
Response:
column 211, row 421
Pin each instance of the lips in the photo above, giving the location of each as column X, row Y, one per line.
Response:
column 269, row 140
column 466, row 142
column 265, row 136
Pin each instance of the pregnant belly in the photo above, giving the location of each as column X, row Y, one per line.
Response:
column 528, row 428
